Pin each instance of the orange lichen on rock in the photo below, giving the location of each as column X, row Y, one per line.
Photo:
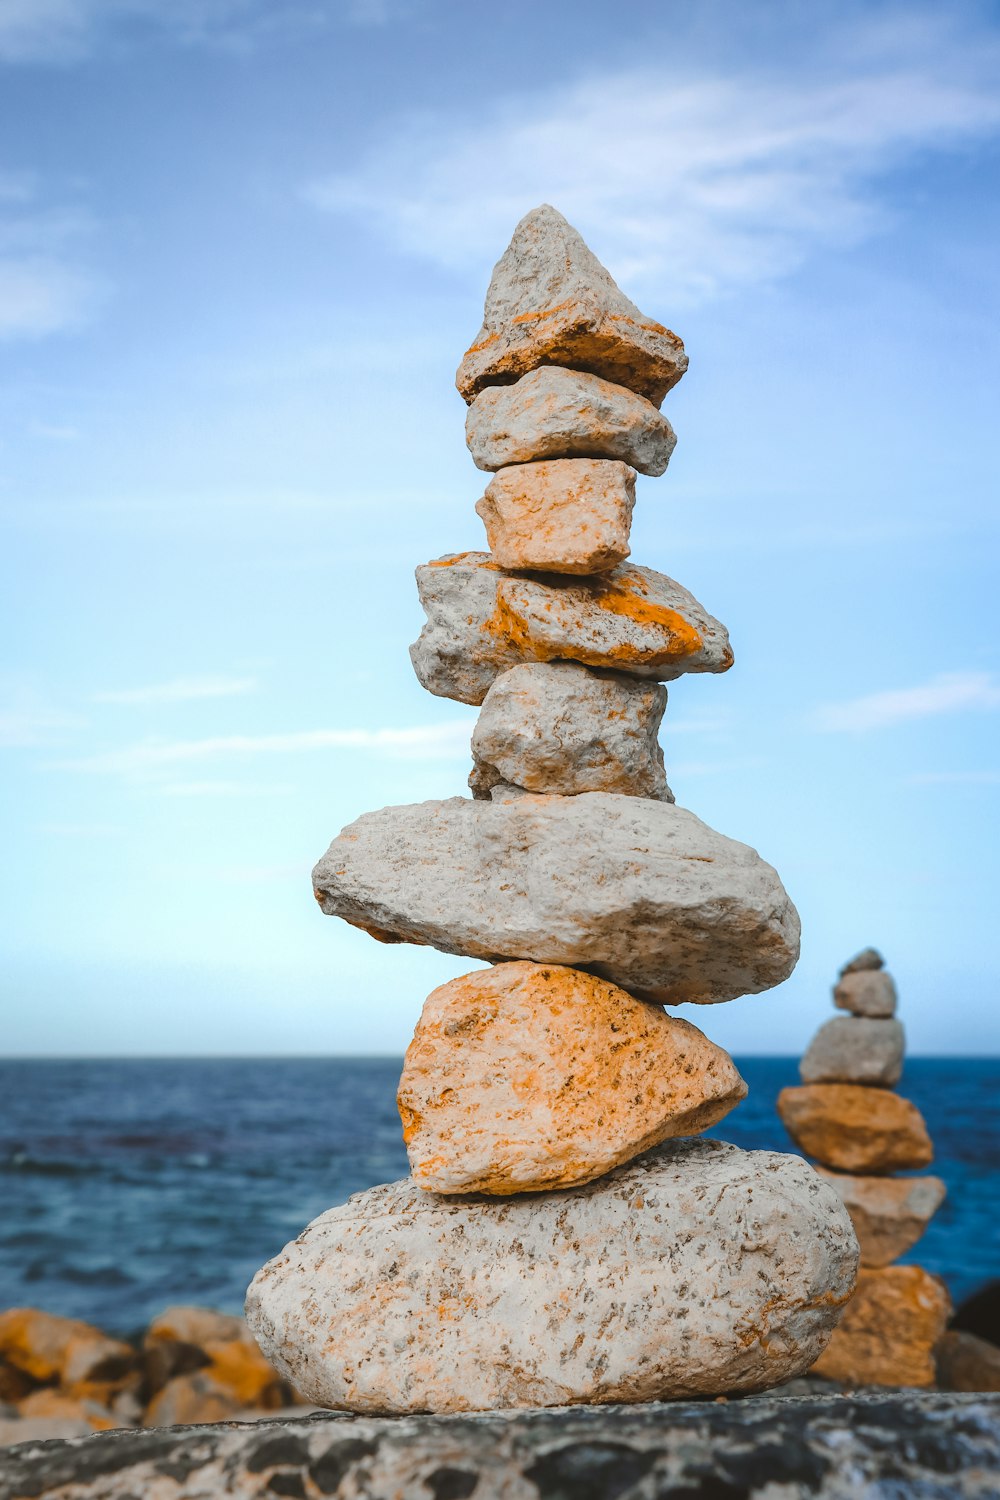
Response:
column 856, row 1128
column 888, row 1330
column 48, row 1347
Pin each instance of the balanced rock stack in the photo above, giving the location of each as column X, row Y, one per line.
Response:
column 846, row 1116
column 549, row 1247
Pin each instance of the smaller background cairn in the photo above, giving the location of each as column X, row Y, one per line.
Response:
column 847, row 1118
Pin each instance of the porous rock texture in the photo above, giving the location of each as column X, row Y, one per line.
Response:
column 558, row 727
column 551, row 302
column 855, row 1128
column 889, row 1214
column 866, row 992
column 530, row 1076
column 556, row 413
column 482, row 620
column 907, row 1445
column 564, row 515
column 855, row 1049
column 695, row 1269
column 640, row 892
column 888, row 1330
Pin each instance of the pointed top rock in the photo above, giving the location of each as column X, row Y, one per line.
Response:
column 868, row 958
column 551, row 302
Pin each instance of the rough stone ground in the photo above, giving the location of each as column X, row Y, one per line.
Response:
column 892, row 1446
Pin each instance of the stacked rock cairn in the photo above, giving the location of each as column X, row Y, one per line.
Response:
column 847, row 1118
column 556, row 1242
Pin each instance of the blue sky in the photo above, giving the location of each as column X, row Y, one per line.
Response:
column 242, row 248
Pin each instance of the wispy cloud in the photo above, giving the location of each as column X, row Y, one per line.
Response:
column 696, row 179
column 30, row 720
column 181, row 690
column 950, row 692
column 45, row 287
column 419, row 742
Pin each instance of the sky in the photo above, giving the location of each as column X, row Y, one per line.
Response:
column 243, row 247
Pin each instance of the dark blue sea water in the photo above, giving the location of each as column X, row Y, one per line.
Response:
column 128, row 1185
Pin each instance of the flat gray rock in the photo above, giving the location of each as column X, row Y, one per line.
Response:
column 551, row 302
column 558, row 727
column 697, row 1269
column 866, row 992
column 556, row 413
column 640, row 892
column 855, row 1049
column 481, row 620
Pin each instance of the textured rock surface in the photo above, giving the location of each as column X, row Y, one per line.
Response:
column 557, row 727
column 889, row 1214
column 854, row 1049
column 868, row 958
column 556, row 413
column 47, row 1347
column 530, row 1076
column 967, row 1363
column 642, row 892
column 696, row 1269
column 866, row 992
column 888, row 1330
column 482, row 621
column 551, row 302
column 567, row 515
column 895, row 1446
column 855, row 1128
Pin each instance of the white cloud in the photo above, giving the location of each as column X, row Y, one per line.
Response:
column 44, row 286
column 692, row 179
column 951, row 692
column 181, row 690
column 419, row 742
column 30, row 720
column 39, row 297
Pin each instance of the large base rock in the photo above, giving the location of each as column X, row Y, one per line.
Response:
column 696, row 1270
column 640, row 892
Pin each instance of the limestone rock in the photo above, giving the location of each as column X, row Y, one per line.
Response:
column 866, row 992
column 855, row 1128
column 967, row 1363
column 566, row 515
column 187, row 1324
column 48, row 1347
column 557, row 727
column 556, row 413
column 642, row 893
column 14, row 1384
column 184, row 1341
column 868, row 958
column 526, row 1077
column 191, row 1398
column 888, row 1330
column 695, row 1270
column 853, row 1049
column 482, row 620
column 889, row 1214
column 551, row 302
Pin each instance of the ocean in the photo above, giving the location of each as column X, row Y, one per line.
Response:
column 128, row 1185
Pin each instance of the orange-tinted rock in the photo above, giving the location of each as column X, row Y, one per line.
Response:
column 47, row 1347
column 888, row 1330
column 57, row 1406
column 529, row 1076
column 855, row 1128
column 189, row 1399
column 564, row 515
column 889, row 1214
column 185, row 1340
column 239, row 1368
column 551, row 302
column 15, row 1384
column 195, row 1325
column 967, row 1363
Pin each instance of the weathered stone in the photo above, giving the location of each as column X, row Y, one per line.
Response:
column 191, row 1398
column 50, row 1405
column 641, row 892
column 551, row 302
column 557, row 727
column 47, row 1347
column 527, row 1076
column 888, row 1330
column 556, row 413
column 866, row 992
column 186, row 1324
column 15, row 1384
column 868, row 958
column 853, row 1049
column 186, row 1340
column 921, row 1445
column 482, row 621
column 966, row 1363
column 567, row 515
column 855, row 1128
column 697, row 1269
column 889, row 1214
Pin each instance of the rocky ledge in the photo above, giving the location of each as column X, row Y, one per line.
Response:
column 914, row 1444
